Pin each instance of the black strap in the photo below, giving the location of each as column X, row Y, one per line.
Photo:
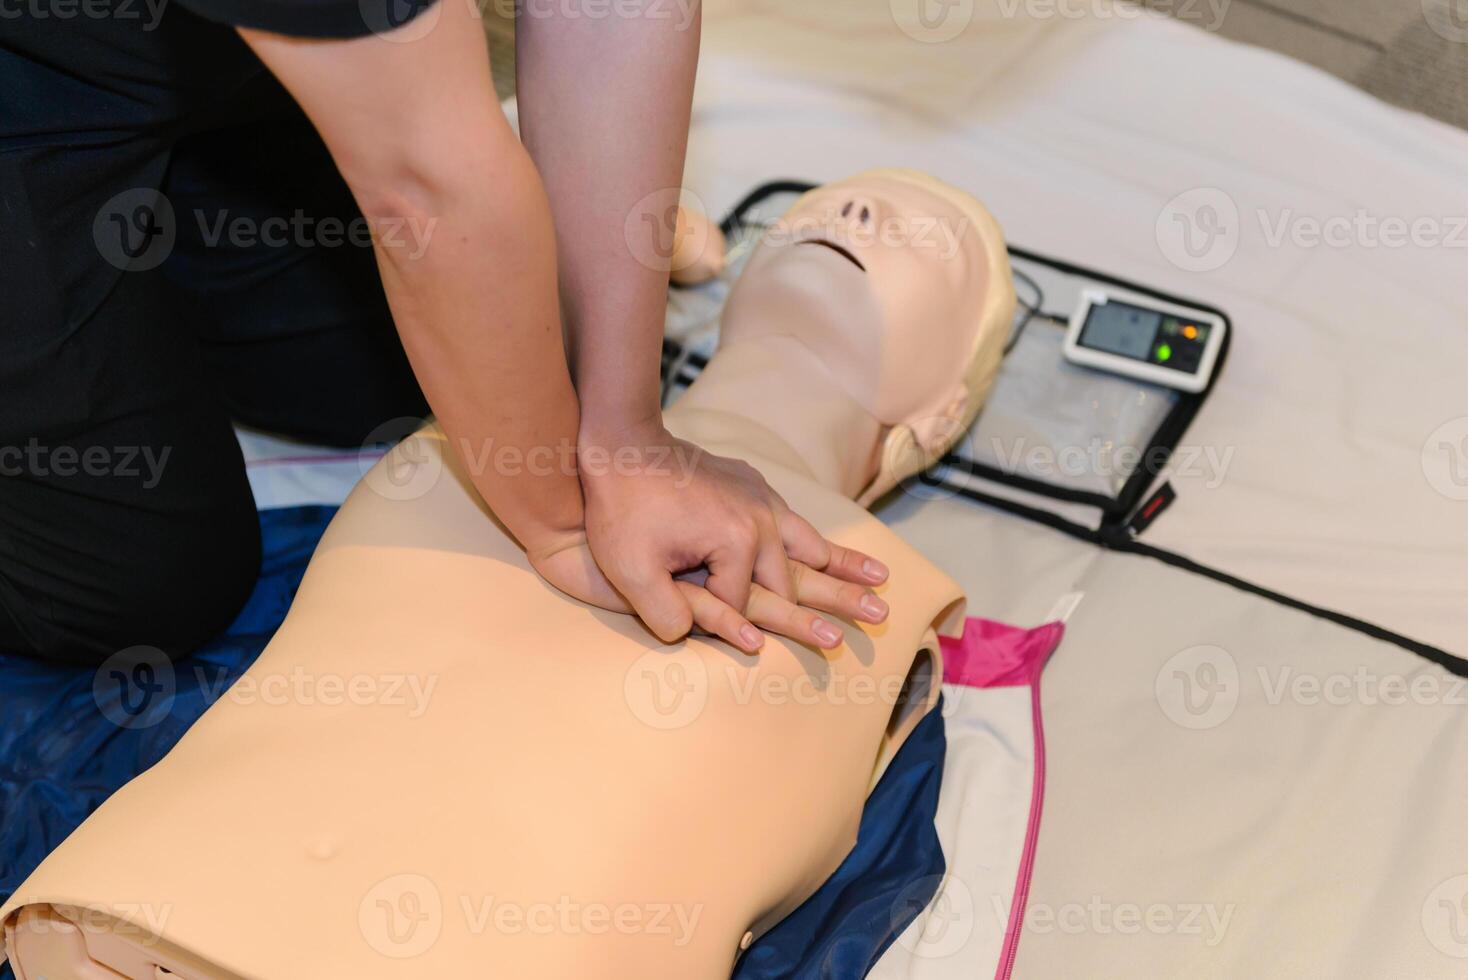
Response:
column 1124, row 516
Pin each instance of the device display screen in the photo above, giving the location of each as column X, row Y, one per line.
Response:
column 1144, row 335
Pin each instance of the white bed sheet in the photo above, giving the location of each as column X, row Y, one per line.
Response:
column 286, row 473
column 1298, row 836
column 1343, row 413
column 1234, row 788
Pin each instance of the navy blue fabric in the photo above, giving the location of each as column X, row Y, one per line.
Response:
column 887, row 879
column 61, row 756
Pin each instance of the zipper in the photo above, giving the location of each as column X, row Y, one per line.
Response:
column 1032, row 834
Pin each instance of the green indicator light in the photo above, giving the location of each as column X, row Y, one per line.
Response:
column 1164, row 353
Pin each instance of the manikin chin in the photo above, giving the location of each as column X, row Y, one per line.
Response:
column 564, row 796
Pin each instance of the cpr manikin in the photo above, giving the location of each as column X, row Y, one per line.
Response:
column 563, row 796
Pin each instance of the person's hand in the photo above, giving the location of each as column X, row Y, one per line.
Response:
column 658, row 507
column 564, row 560
column 568, row 565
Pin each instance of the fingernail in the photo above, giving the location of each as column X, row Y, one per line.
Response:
column 752, row 637
column 874, row 570
column 826, row 633
column 875, row 608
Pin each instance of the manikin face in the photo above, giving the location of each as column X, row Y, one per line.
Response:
column 884, row 279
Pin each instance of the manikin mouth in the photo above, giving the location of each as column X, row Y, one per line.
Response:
column 843, row 252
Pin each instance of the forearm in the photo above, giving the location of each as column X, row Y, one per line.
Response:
column 470, row 270
column 478, row 318
column 604, row 107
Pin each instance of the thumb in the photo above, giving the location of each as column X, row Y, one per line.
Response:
column 656, row 598
column 574, row 572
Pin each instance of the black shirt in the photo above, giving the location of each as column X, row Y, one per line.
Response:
column 311, row 18
column 94, row 94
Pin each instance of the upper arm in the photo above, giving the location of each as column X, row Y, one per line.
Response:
column 397, row 107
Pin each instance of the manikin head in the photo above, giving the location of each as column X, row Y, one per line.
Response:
column 900, row 287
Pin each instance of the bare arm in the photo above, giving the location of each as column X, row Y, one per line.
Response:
column 411, row 122
column 604, row 110
column 414, row 127
column 604, row 106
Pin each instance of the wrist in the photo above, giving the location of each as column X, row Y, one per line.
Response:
column 546, row 542
column 615, row 429
column 539, row 511
column 544, row 535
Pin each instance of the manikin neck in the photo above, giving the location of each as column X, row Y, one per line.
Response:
column 771, row 398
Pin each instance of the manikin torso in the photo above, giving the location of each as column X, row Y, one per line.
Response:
column 486, row 778
column 542, row 757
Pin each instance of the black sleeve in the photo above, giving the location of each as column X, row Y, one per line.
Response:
column 314, row 18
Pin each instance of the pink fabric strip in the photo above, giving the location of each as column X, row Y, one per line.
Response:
column 319, row 458
column 991, row 654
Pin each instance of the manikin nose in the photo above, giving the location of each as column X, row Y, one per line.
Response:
column 858, row 212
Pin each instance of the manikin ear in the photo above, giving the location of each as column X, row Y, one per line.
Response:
column 912, row 446
column 937, row 432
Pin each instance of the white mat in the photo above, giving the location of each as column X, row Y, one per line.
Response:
column 1234, row 789
column 1289, row 834
column 1343, row 414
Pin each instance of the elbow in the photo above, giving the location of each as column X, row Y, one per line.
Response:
column 463, row 195
column 403, row 194
column 407, row 207
column 401, row 190
column 401, row 215
column 430, row 171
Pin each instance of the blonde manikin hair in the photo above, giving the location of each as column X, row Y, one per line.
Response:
column 912, row 446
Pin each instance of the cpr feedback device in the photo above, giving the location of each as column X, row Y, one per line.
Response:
column 1145, row 339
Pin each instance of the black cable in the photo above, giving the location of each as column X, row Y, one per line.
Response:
column 1030, row 308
